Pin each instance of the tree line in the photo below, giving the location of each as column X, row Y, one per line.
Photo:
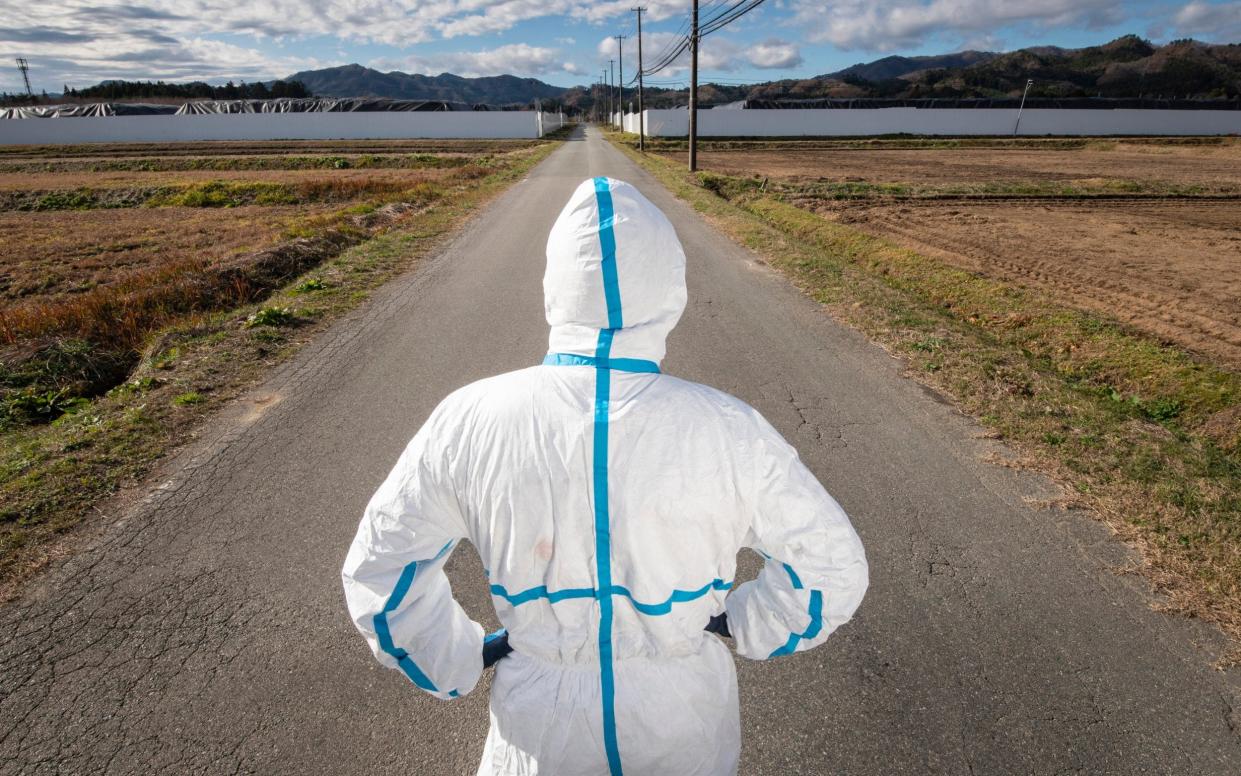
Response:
column 114, row 90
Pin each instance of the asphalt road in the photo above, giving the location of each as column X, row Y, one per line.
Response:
column 204, row 630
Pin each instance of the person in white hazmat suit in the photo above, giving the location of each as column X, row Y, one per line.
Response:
column 608, row 503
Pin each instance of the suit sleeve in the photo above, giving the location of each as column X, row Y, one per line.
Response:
column 397, row 592
column 815, row 572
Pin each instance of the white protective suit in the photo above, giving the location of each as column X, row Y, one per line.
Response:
column 608, row 503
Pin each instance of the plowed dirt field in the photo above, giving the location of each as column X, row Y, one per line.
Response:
column 1168, row 265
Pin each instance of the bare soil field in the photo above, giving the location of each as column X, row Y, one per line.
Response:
column 1140, row 162
column 1146, row 233
column 1171, row 268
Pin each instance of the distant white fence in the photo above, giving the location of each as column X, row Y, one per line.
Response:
column 812, row 122
column 279, row 126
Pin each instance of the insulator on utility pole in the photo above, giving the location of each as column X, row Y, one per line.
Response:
column 693, row 90
column 641, row 108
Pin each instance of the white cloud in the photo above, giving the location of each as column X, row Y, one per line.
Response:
column 774, row 53
column 515, row 58
column 717, row 53
column 84, row 41
column 889, row 25
column 1212, row 21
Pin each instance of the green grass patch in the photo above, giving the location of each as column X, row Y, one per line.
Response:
column 1144, row 434
column 271, row 316
column 188, row 398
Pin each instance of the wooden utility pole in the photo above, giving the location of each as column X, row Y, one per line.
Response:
column 611, row 91
column 693, row 90
column 620, row 77
column 641, row 109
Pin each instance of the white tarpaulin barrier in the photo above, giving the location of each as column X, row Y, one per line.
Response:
column 278, row 126
column 938, row 121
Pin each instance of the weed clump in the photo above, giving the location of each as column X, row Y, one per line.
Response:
column 309, row 285
column 188, row 398
column 271, row 316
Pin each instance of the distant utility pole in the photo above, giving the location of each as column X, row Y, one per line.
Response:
column 641, row 112
column 1020, row 108
column 693, row 90
column 620, row 76
column 24, row 66
column 604, row 93
column 611, row 90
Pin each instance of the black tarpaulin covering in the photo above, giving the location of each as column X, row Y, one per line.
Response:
column 205, row 107
column 95, row 109
column 1079, row 103
column 324, row 105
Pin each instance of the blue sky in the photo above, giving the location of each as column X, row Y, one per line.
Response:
column 564, row 42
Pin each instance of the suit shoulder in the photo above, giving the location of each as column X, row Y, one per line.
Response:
column 706, row 399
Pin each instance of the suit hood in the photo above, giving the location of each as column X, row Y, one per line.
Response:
column 614, row 264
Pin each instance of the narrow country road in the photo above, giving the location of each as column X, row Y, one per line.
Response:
column 205, row 632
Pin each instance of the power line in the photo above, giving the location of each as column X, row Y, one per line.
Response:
column 713, row 23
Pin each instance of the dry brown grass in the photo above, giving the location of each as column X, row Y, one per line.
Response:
column 52, row 475
column 52, row 255
column 44, row 180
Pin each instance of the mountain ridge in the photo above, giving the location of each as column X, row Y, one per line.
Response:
column 896, row 66
column 1128, row 66
column 354, row 80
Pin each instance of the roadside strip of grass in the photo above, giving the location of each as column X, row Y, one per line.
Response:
column 1143, row 435
column 54, row 475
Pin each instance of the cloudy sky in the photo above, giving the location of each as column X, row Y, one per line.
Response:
column 80, row 42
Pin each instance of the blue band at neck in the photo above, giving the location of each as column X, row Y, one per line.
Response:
column 618, row 364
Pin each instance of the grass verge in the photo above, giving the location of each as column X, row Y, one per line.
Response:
column 1145, row 436
column 53, row 475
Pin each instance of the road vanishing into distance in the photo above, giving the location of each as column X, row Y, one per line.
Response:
column 204, row 630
